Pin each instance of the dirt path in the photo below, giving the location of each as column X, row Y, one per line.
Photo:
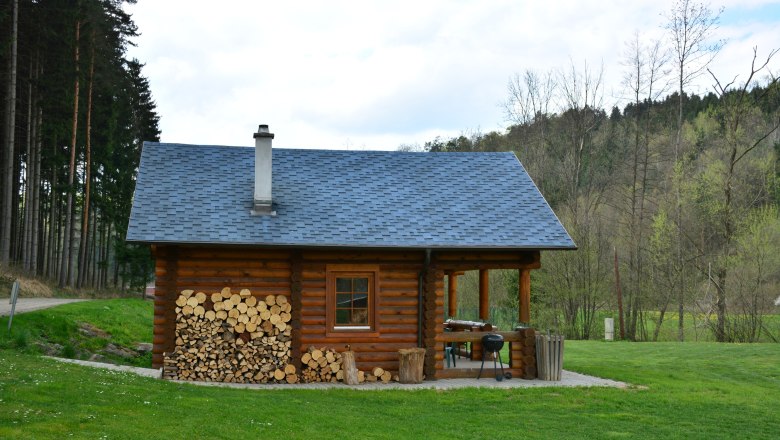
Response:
column 31, row 304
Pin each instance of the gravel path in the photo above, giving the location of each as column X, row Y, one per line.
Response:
column 30, row 304
column 568, row 379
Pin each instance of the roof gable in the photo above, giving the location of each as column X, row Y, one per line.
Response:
column 203, row 194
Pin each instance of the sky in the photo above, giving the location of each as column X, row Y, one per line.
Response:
column 380, row 74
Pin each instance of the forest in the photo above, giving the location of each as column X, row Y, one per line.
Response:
column 673, row 200
column 75, row 113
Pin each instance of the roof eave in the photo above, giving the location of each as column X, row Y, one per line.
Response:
column 357, row 246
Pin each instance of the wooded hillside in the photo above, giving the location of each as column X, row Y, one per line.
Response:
column 673, row 200
column 675, row 193
column 75, row 113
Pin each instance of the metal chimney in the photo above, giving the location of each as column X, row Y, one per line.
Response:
column 262, row 200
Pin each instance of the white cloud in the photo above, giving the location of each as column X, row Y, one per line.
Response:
column 378, row 74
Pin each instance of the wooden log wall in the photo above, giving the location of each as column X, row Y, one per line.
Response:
column 433, row 321
column 165, row 294
column 300, row 274
column 397, row 305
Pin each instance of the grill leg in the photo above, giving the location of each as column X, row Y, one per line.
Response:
column 481, row 366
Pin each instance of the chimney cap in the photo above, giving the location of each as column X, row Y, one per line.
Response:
column 262, row 131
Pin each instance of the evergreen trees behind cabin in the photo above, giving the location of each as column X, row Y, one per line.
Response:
column 75, row 113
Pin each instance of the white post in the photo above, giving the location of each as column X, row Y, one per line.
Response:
column 609, row 329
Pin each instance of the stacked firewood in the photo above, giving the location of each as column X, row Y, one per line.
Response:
column 326, row 365
column 321, row 365
column 231, row 337
column 378, row 374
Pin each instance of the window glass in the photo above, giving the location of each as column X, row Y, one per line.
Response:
column 361, row 285
column 352, row 301
column 343, row 285
column 342, row 316
column 359, row 317
column 343, row 300
column 360, row 300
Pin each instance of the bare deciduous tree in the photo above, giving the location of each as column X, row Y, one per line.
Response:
column 690, row 27
column 530, row 96
column 581, row 100
column 645, row 81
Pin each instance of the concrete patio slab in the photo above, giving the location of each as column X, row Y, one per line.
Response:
column 568, row 379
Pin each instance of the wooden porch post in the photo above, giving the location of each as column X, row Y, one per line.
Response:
column 452, row 294
column 484, row 311
column 524, row 299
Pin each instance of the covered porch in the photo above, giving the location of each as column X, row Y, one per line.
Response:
column 518, row 354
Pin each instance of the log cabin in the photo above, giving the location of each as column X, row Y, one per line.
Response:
column 359, row 241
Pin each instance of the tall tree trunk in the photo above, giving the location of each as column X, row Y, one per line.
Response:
column 29, row 171
column 17, row 218
column 9, row 143
column 36, row 192
column 54, row 238
column 106, row 253
column 87, row 170
column 101, row 256
column 93, row 249
column 678, row 220
column 67, row 248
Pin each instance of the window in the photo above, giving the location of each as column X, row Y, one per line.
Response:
column 351, row 299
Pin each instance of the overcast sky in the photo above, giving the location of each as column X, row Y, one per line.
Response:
column 375, row 75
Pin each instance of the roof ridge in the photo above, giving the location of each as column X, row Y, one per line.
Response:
column 337, row 151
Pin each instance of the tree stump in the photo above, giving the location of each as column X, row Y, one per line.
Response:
column 410, row 365
column 349, row 368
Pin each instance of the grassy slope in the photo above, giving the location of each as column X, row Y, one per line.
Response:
column 127, row 322
column 693, row 391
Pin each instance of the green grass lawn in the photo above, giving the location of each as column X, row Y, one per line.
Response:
column 690, row 390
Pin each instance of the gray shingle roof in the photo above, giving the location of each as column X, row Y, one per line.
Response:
column 203, row 194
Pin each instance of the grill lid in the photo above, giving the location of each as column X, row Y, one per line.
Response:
column 492, row 342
